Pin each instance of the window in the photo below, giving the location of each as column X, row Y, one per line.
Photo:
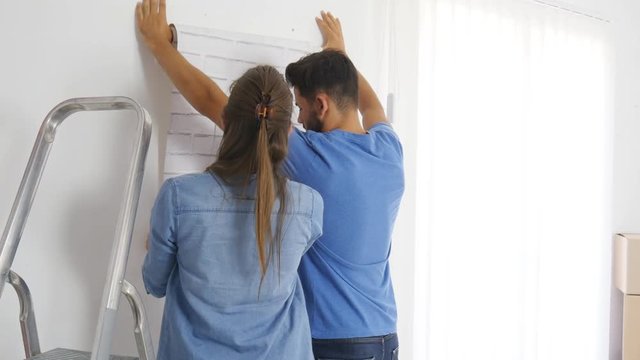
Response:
column 514, row 165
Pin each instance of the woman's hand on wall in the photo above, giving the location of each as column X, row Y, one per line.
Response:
column 151, row 18
column 199, row 90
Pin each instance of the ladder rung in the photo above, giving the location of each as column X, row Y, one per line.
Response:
column 66, row 354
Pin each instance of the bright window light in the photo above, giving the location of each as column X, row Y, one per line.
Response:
column 514, row 183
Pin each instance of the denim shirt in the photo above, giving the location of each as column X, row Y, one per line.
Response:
column 203, row 258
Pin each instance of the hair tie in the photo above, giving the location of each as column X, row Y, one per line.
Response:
column 263, row 109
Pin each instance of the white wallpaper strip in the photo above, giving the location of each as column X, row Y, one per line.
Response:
column 193, row 140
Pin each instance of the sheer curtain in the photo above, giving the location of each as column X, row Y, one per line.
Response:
column 514, row 166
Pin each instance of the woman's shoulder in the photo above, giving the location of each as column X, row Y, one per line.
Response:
column 205, row 182
column 191, row 179
column 303, row 197
column 302, row 189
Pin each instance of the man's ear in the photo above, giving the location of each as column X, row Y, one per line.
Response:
column 321, row 104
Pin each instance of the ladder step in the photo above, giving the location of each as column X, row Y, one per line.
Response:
column 66, row 354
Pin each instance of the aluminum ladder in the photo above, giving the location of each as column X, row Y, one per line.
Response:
column 115, row 283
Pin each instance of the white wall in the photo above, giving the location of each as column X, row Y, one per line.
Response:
column 54, row 50
column 627, row 109
column 626, row 172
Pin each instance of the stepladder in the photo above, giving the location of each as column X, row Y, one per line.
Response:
column 115, row 286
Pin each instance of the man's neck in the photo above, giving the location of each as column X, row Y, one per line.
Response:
column 348, row 122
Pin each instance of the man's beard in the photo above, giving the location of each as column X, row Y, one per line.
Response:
column 313, row 122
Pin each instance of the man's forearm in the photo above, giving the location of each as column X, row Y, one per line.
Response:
column 368, row 103
column 199, row 90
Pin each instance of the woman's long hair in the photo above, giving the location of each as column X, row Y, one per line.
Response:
column 257, row 120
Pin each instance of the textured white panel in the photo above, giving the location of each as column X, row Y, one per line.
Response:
column 193, row 139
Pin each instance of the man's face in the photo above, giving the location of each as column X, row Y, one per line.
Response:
column 307, row 116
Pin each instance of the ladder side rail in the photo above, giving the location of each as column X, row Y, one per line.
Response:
column 124, row 232
column 26, row 193
column 141, row 327
column 30, row 181
column 33, row 173
column 28, row 326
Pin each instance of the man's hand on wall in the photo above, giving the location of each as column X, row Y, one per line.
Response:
column 331, row 30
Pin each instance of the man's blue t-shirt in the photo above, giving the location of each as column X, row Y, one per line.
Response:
column 345, row 274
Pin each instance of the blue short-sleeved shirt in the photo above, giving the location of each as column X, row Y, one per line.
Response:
column 203, row 257
column 345, row 274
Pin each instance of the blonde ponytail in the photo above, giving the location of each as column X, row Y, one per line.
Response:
column 265, row 197
column 255, row 142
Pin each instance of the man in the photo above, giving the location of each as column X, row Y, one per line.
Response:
column 357, row 168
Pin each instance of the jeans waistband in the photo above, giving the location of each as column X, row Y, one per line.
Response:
column 358, row 340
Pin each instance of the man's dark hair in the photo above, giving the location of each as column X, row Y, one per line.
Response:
column 329, row 71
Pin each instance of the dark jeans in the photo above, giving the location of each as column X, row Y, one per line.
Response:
column 367, row 348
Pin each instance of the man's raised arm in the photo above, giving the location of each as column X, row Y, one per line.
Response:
column 368, row 104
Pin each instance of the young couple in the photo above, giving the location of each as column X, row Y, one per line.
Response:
column 280, row 249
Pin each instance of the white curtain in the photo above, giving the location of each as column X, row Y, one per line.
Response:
column 514, row 167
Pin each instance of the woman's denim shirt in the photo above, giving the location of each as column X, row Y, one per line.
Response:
column 203, row 258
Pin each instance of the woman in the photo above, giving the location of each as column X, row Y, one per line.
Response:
column 225, row 244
